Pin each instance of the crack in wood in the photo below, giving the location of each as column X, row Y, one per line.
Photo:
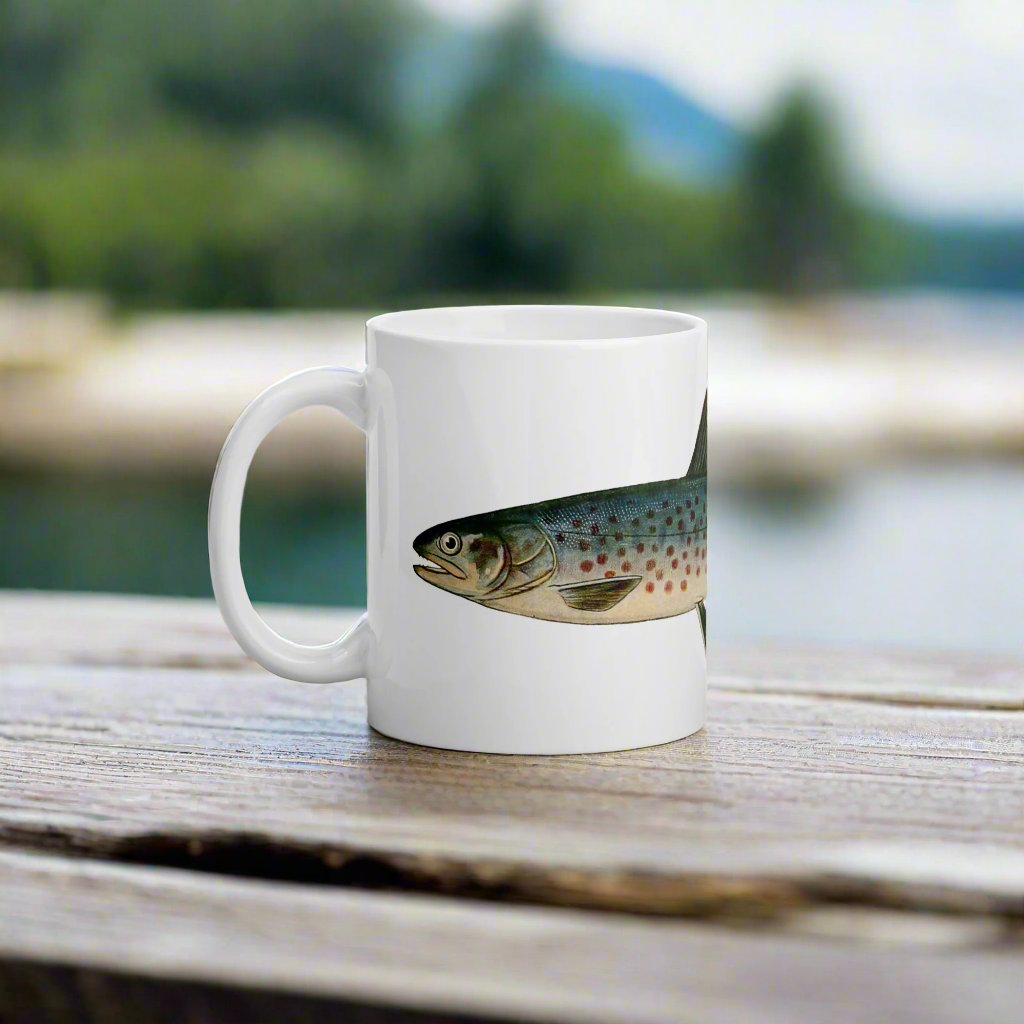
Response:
column 739, row 898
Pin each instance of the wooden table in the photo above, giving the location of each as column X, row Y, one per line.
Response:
column 185, row 838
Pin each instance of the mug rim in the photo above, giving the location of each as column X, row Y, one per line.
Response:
column 441, row 324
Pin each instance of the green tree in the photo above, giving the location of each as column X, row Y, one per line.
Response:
column 797, row 222
column 535, row 169
column 39, row 44
column 244, row 66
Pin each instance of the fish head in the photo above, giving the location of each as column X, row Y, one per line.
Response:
column 467, row 557
column 482, row 558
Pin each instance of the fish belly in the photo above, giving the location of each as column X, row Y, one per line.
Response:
column 656, row 532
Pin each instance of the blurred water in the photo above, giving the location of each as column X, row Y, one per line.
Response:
column 917, row 556
column 148, row 536
column 925, row 556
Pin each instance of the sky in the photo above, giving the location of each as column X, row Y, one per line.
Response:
column 930, row 92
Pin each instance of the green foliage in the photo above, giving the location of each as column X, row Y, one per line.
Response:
column 74, row 69
column 252, row 154
column 797, row 228
column 209, row 153
column 245, row 66
column 128, row 221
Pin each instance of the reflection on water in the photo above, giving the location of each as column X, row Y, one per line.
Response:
column 927, row 556
column 149, row 537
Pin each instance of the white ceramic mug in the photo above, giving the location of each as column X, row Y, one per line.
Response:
column 536, row 527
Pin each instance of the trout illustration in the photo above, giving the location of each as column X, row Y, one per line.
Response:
column 621, row 555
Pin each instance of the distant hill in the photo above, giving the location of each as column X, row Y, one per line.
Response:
column 666, row 128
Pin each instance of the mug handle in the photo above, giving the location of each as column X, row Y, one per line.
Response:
column 345, row 658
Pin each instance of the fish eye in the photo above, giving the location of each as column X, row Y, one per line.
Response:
column 450, row 543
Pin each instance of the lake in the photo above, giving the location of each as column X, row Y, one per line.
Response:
column 925, row 556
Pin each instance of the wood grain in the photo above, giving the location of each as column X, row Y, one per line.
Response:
column 139, row 734
column 49, row 993
column 96, row 629
column 443, row 956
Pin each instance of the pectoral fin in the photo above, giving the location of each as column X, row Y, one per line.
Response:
column 702, row 612
column 600, row 595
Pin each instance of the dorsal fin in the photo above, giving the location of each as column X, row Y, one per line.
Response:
column 699, row 462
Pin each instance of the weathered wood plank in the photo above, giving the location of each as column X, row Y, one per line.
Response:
column 46, row 993
column 787, row 802
column 99, row 629
column 445, row 956
column 928, row 680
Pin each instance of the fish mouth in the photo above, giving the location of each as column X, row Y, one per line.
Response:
column 440, row 567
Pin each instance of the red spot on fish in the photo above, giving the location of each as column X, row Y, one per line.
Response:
column 609, row 574
column 686, row 553
column 584, row 545
column 698, row 570
column 680, row 524
column 613, row 518
column 682, row 585
column 622, row 552
column 688, row 568
column 602, row 558
column 659, row 574
column 668, row 520
column 654, row 548
column 668, row 587
column 675, row 563
column 679, row 510
column 664, row 504
column 640, row 548
column 693, row 515
column 650, row 513
column 603, row 541
column 687, row 502
column 586, row 565
column 560, row 537
column 577, row 523
column 696, row 500
column 618, row 535
column 670, row 550
column 650, row 564
column 636, row 522
column 649, row 588
column 594, row 529
column 626, row 566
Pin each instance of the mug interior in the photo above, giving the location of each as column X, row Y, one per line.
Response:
column 533, row 323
